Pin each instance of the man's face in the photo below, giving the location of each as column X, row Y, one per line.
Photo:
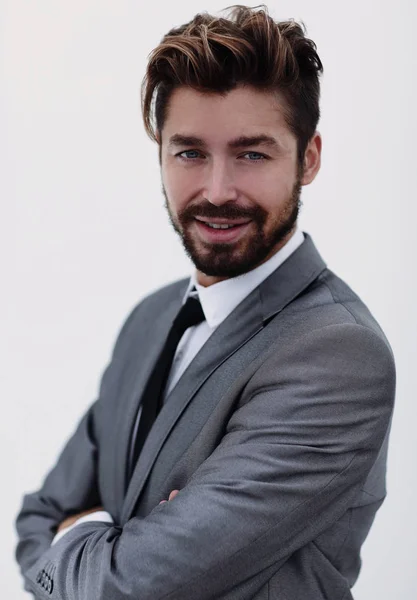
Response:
column 222, row 179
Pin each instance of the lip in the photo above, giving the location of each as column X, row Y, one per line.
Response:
column 217, row 221
column 213, row 236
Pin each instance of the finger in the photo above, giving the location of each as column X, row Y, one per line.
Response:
column 173, row 494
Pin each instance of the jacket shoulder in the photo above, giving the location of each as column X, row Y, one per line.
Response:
column 355, row 308
column 149, row 307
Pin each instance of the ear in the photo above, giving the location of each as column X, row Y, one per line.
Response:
column 312, row 159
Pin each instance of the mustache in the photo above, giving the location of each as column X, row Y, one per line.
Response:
column 226, row 211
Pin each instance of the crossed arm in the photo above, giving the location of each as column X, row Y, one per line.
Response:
column 73, row 519
column 291, row 462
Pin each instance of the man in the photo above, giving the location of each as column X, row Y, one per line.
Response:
column 237, row 448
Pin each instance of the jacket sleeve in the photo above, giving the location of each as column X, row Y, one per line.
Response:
column 294, row 455
column 71, row 486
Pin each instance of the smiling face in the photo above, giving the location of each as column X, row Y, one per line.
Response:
column 230, row 178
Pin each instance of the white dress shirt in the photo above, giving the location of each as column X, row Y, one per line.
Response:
column 217, row 301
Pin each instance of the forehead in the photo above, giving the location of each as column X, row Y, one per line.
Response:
column 242, row 110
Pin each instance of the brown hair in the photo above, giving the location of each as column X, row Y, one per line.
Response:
column 213, row 54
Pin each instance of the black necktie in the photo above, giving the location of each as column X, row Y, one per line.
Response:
column 190, row 314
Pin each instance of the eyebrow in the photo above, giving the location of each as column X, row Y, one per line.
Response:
column 242, row 141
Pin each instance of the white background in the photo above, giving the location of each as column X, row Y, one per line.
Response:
column 84, row 234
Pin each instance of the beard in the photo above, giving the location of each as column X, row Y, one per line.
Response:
column 233, row 259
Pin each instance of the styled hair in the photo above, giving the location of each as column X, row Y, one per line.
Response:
column 215, row 55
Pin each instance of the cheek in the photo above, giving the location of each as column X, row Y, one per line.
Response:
column 179, row 186
column 273, row 196
column 269, row 181
column 174, row 197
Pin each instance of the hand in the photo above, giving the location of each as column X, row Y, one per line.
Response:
column 171, row 496
column 70, row 520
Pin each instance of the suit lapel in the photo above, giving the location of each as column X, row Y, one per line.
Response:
column 225, row 340
column 247, row 320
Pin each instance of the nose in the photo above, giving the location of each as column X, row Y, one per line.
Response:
column 220, row 187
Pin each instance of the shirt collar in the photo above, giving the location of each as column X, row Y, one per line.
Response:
column 220, row 299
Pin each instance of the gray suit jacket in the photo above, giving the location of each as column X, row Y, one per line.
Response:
column 275, row 435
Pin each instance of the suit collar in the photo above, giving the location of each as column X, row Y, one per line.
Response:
column 291, row 278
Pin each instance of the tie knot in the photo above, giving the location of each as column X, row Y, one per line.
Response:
column 191, row 314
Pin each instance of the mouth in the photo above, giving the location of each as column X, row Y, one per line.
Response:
column 222, row 223
column 221, row 230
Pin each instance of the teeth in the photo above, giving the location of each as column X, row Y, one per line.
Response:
column 216, row 226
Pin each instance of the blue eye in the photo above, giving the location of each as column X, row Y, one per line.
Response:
column 195, row 154
column 261, row 156
column 187, row 152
